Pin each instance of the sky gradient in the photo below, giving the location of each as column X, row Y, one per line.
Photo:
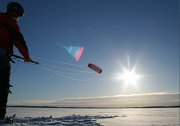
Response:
column 140, row 34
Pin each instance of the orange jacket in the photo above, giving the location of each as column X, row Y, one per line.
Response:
column 10, row 35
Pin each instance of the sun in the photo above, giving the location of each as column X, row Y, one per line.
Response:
column 130, row 76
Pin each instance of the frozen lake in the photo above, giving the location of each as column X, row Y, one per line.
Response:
column 125, row 117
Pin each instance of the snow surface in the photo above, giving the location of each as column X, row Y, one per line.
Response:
column 73, row 120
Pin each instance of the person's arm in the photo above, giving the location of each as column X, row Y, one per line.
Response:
column 20, row 43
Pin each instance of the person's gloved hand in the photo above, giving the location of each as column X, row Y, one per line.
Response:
column 28, row 60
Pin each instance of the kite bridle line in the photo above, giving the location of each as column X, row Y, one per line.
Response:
column 48, row 68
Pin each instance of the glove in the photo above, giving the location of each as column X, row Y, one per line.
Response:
column 28, row 60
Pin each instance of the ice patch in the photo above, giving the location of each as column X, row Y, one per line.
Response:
column 73, row 120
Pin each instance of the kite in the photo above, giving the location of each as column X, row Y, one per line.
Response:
column 74, row 51
column 95, row 68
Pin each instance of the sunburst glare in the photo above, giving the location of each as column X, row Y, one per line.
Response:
column 128, row 75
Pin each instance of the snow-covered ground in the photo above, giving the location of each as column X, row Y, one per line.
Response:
column 94, row 117
column 74, row 120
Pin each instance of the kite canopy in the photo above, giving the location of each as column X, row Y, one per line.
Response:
column 95, row 68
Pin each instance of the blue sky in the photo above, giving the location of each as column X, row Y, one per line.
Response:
column 140, row 33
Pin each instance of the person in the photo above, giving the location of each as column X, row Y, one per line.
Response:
column 10, row 36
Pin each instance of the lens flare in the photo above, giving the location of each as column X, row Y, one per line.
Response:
column 74, row 51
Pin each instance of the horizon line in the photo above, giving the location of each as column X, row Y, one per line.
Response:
column 93, row 107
